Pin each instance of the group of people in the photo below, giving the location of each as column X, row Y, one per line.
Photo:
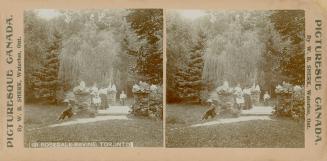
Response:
column 96, row 98
column 243, row 99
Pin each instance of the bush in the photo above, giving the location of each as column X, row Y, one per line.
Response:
column 290, row 101
column 148, row 101
column 226, row 101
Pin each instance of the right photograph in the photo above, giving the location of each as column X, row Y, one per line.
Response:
column 235, row 79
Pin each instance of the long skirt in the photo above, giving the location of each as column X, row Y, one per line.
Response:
column 104, row 101
column 247, row 102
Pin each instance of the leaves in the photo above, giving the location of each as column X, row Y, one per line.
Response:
column 45, row 81
column 148, row 24
column 102, row 46
column 243, row 47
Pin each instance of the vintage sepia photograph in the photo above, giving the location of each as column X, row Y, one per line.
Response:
column 93, row 78
column 235, row 78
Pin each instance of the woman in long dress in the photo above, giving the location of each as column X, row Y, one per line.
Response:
column 247, row 99
column 96, row 99
column 239, row 96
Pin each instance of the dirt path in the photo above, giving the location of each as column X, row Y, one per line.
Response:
column 258, row 110
column 232, row 120
column 112, row 113
column 91, row 120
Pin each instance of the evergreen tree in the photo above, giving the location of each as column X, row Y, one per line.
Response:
column 35, row 42
column 148, row 24
column 290, row 24
column 45, row 79
column 189, row 80
column 268, row 65
column 179, row 40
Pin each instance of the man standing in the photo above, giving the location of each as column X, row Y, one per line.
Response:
column 122, row 98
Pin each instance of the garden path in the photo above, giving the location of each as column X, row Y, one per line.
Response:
column 256, row 113
column 258, row 110
column 117, row 110
column 112, row 113
column 232, row 120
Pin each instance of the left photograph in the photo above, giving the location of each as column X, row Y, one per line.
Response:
column 93, row 78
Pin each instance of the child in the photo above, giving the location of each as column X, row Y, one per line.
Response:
column 266, row 98
column 95, row 97
column 96, row 100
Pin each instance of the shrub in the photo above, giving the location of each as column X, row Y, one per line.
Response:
column 148, row 101
column 290, row 101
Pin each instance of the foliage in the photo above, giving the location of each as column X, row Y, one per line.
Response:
column 179, row 40
column 241, row 47
column 44, row 80
column 290, row 24
column 148, row 25
column 189, row 79
column 148, row 101
column 185, row 51
column 101, row 44
column 36, row 43
column 97, row 46
column 290, row 101
column 234, row 49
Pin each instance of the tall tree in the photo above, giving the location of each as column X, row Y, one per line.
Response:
column 290, row 24
column 189, row 79
column 104, row 42
column 148, row 24
column 233, row 52
column 179, row 42
column 35, row 44
column 45, row 79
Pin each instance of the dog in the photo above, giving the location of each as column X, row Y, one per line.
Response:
column 209, row 113
column 66, row 113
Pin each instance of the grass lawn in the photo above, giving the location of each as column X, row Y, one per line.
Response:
column 276, row 133
column 141, row 131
